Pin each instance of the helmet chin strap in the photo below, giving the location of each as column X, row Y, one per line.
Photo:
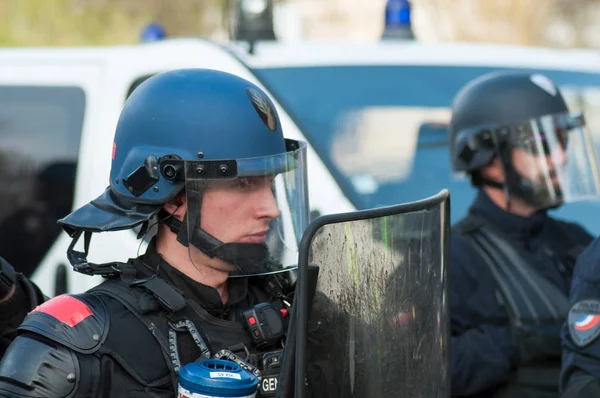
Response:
column 250, row 258
column 517, row 186
column 524, row 188
column 496, row 185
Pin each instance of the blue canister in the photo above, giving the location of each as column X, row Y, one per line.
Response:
column 216, row 378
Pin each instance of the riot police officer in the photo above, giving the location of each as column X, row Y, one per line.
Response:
column 511, row 263
column 199, row 159
column 580, row 375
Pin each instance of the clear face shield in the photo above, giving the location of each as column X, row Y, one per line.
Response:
column 246, row 217
column 550, row 160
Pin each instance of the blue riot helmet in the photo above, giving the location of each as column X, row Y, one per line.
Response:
column 191, row 133
column 521, row 118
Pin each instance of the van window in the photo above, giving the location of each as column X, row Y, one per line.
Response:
column 40, row 131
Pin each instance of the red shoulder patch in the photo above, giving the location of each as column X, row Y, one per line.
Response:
column 66, row 309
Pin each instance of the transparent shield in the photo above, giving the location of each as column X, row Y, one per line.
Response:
column 246, row 217
column 379, row 321
column 555, row 158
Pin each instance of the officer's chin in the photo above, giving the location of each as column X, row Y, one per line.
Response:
column 225, row 266
column 559, row 200
column 216, row 267
column 558, row 204
column 555, row 204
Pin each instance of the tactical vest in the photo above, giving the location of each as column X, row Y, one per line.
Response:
column 186, row 332
column 537, row 308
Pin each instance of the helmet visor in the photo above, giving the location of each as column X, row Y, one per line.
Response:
column 247, row 216
column 555, row 159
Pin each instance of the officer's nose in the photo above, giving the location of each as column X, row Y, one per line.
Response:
column 266, row 205
column 558, row 157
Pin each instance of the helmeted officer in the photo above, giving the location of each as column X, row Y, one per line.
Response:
column 511, row 263
column 200, row 159
column 580, row 376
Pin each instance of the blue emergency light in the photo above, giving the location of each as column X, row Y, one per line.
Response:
column 397, row 20
column 153, row 32
column 397, row 13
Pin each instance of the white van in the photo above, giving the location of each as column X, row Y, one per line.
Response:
column 372, row 113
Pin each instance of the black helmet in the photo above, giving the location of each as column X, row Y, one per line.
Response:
column 502, row 111
column 494, row 100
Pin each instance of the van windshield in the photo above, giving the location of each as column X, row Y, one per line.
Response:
column 381, row 130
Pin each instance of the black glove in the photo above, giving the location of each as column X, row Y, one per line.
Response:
column 8, row 278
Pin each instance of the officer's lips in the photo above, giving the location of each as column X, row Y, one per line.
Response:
column 258, row 237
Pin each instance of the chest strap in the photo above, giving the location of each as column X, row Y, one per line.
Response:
column 132, row 298
column 529, row 296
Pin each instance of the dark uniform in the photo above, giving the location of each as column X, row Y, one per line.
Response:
column 580, row 376
column 510, row 274
column 486, row 358
column 111, row 336
column 212, row 143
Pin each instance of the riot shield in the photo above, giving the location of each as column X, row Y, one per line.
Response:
column 377, row 324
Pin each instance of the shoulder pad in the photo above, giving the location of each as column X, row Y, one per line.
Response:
column 31, row 368
column 79, row 322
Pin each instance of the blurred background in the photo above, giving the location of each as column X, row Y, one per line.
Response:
column 555, row 23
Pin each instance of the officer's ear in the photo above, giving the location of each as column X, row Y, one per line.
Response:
column 177, row 206
column 493, row 170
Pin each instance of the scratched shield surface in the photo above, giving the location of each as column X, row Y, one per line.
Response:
column 379, row 321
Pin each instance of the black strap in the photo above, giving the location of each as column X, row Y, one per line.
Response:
column 129, row 297
column 490, row 183
column 536, row 306
column 81, row 264
column 516, row 278
column 170, row 299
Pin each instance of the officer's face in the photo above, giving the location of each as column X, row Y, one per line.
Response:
column 538, row 169
column 239, row 210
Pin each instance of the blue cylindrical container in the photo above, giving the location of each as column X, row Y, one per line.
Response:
column 216, row 378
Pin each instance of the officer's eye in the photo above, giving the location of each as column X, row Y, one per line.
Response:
column 244, row 183
column 253, row 183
